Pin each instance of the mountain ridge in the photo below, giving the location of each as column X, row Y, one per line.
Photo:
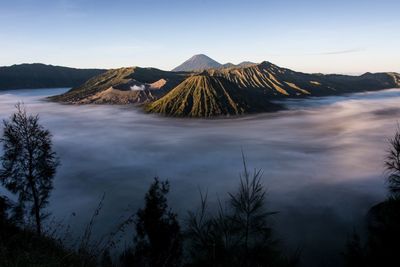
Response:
column 39, row 75
column 201, row 62
column 237, row 90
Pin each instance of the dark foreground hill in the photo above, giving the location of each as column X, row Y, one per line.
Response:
column 30, row 76
column 232, row 90
column 23, row 247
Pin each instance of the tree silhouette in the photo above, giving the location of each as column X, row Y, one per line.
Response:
column 382, row 245
column 4, row 209
column 392, row 164
column 354, row 254
column 158, row 237
column 28, row 161
column 250, row 217
column 106, row 260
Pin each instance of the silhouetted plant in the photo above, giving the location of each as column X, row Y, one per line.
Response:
column 158, row 240
column 239, row 234
column 251, row 218
column 383, row 246
column 5, row 207
column 127, row 258
column 89, row 248
column 106, row 260
column 211, row 237
column 383, row 220
column 23, row 247
column 354, row 254
column 29, row 163
column 392, row 164
column 85, row 245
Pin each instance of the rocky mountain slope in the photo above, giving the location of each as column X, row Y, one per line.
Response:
column 30, row 76
column 240, row 90
column 279, row 82
column 204, row 95
column 123, row 86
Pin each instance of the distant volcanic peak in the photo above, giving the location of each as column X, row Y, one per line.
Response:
column 267, row 64
column 202, row 62
column 246, row 63
column 243, row 64
column 270, row 67
column 229, row 65
column 201, row 57
column 198, row 62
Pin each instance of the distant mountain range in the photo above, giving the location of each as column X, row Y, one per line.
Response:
column 202, row 62
column 217, row 91
column 30, row 76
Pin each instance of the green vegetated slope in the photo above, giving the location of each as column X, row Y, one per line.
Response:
column 30, row 76
column 204, row 95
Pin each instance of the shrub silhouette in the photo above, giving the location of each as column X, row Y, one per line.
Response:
column 383, row 221
column 392, row 164
column 239, row 234
column 158, row 240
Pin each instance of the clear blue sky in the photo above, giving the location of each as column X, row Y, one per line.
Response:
column 350, row 36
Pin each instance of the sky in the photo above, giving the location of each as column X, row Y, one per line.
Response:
column 352, row 36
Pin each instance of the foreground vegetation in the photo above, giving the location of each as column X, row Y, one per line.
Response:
column 20, row 246
column 237, row 232
column 382, row 246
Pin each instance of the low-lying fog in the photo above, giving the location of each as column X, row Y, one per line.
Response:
column 322, row 161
